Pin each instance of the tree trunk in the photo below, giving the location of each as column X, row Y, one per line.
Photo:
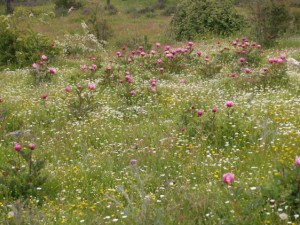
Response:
column 107, row 4
column 9, row 8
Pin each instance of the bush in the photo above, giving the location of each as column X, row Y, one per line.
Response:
column 199, row 17
column 20, row 48
column 270, row 19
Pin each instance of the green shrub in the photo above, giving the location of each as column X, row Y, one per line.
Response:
column 22, row 48
column 199, row 17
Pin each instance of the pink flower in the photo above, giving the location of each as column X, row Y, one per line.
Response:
column 214, row 109
column 31, row 146
column 199, row 53
column 297, row 161
column 279, row 61
column 200, row 112
column 182, row 81
column 242, row 60
column 91, row 86
column 247, row 70
column 143, row 54
column 234, row 43
column 206, row 58
column 141, row 48
column 133, row 162
column 283, row 56
column 41, row 63
column 35, row 65
column 153, row 82
column 233, row 75
column 93, row 67
column 229, row 104
column 159, row 61
column 44, row 96
column 68, row 89
column 133, row 93
column 190, row 43
column 44, row 57
column 129, row 60
column 170, row 56
column 18, row 147
column 167, row 47
column 108, row 68
column 228, row 178
column 119, row 54
column 52, row 70
column 83, row 67
column 161, row 70
column 258, row 46
column 157, row 45
column 128, row 78
column 153, row 52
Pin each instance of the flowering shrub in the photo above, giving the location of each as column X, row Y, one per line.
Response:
column 86, row 43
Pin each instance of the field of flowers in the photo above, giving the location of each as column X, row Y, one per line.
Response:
column 188, row 134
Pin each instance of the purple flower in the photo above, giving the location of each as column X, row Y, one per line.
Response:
column 228, row 178
column 18, row 147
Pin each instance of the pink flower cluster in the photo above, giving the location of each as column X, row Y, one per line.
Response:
column 279, row 60
column 18, row 146
column 128, row 77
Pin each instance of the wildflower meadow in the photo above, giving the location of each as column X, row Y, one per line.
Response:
column 181, row 132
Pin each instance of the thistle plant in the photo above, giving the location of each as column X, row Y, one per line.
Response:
column 22, row 177
column 41, row 72
column 81, row 100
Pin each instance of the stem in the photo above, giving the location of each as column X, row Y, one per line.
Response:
column 19, row 161
column 30, row 162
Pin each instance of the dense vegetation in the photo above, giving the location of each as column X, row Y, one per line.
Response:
column 142, row 129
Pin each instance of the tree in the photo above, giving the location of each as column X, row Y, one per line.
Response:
column 9, row 8
column 108, row 4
